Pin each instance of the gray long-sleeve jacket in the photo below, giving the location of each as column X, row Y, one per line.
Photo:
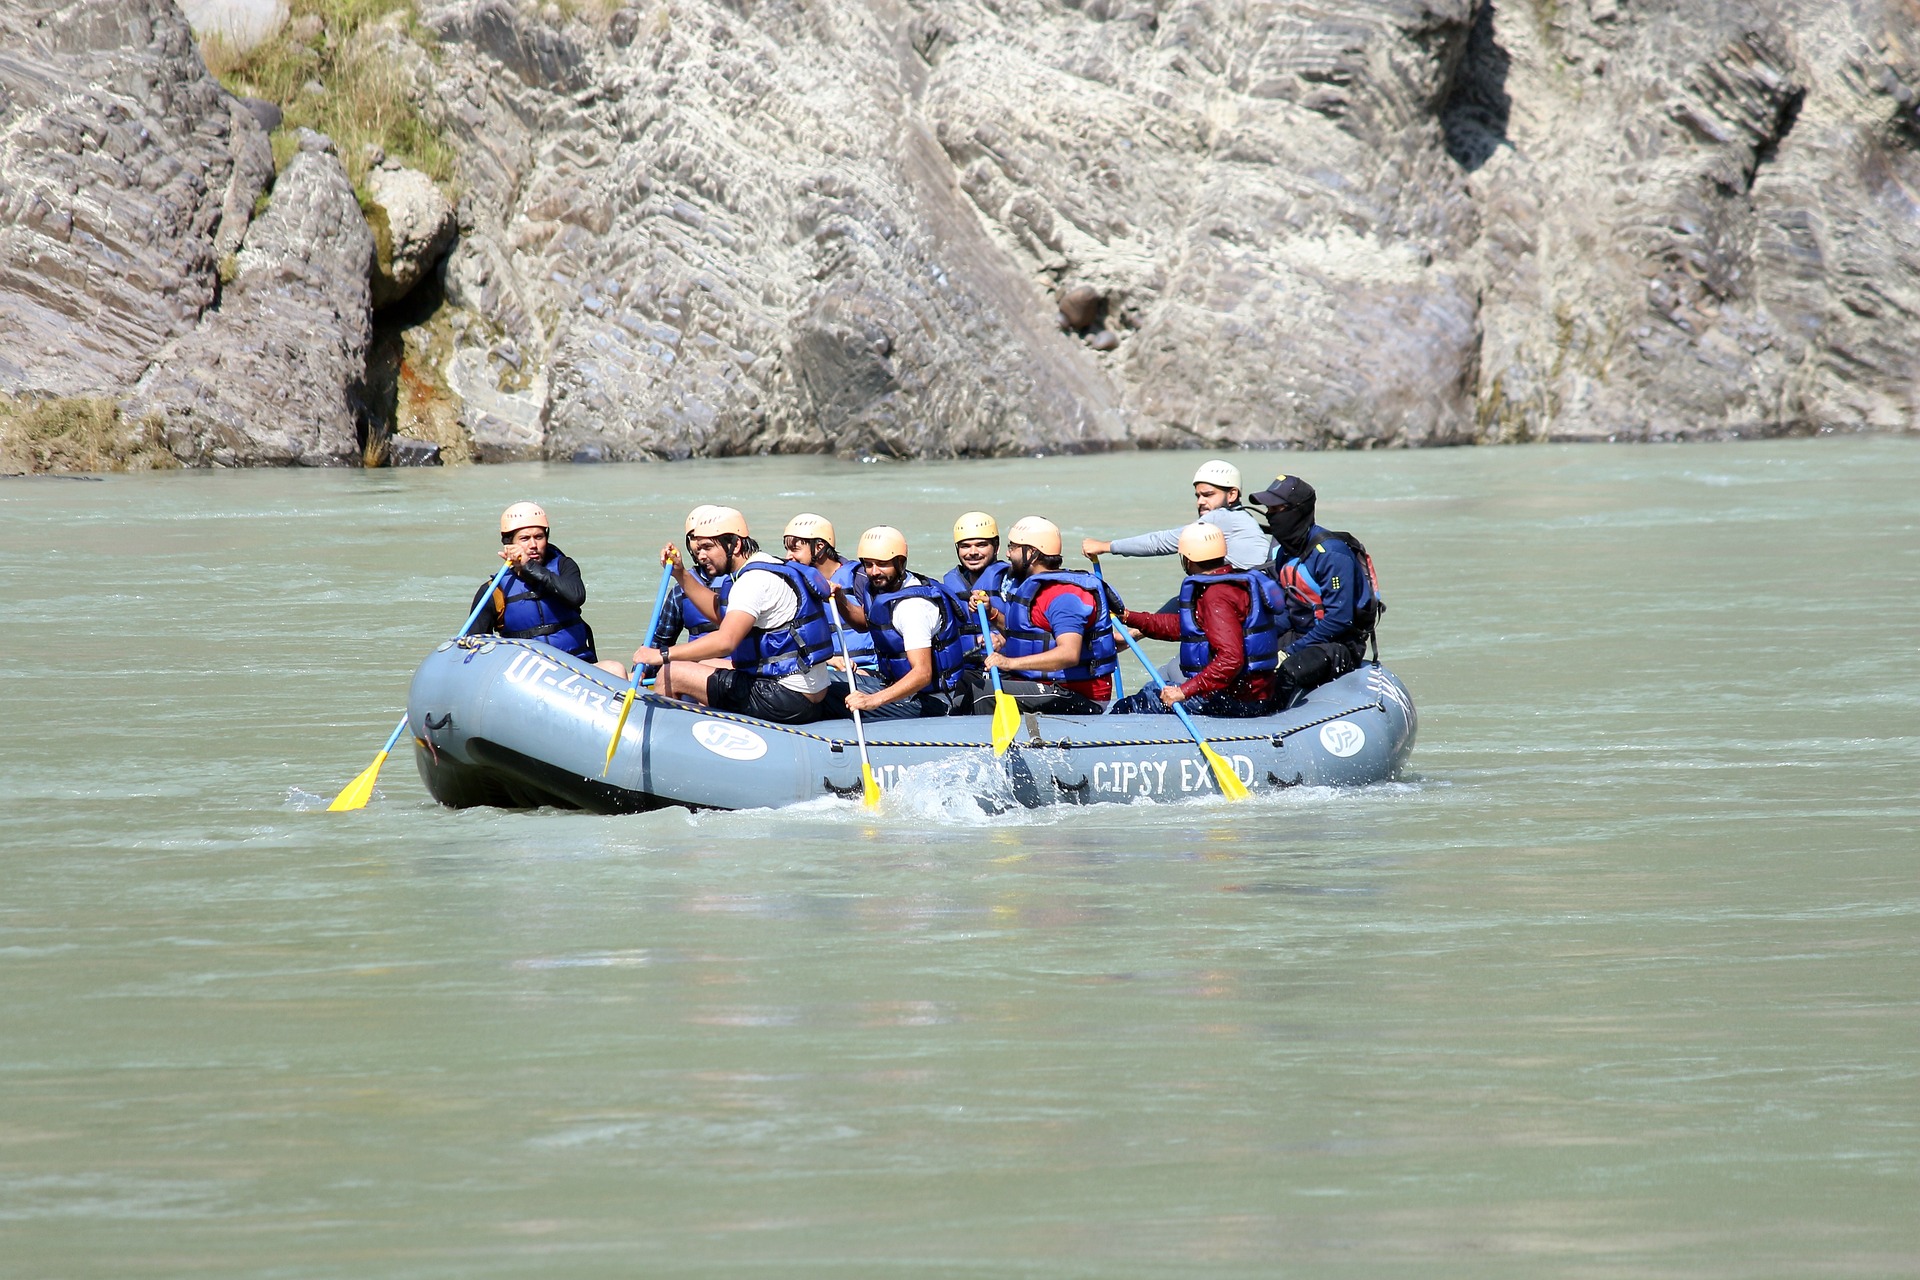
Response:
column 1247, row 542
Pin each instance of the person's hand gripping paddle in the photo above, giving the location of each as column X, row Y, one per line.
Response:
column 1230, row 785
column 1006, row 712
column 360, row 790
column 633, row 686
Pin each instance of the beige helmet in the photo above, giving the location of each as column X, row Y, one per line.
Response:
column 693, row 516
column 715, row 521
column 523, row 515
column 1218, row 473
column 1202, row 542
column 883, row 542
column 975, row 524
column 1033, row 531
column 809, row 525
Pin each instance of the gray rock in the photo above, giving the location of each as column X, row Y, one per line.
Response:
column 125, row 174
column 405, row 452
column 413, row 224
column 267, row 114
column 274, row 373
column 498, row 439
column 718, row 228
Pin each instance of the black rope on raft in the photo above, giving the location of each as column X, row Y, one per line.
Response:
column 1064, row 744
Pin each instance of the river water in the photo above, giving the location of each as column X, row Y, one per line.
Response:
column 1620, row 979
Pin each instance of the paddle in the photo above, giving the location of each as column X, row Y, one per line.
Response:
column 360, row 790
column 633, row 687
column 1230, row 785
column 1006, row 712
column 1119, row 687
column 870, row 786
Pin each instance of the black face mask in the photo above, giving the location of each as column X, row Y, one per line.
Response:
column 1290, row 527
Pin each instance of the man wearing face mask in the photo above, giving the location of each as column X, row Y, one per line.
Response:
column 1216, row 497
column 1332, row 593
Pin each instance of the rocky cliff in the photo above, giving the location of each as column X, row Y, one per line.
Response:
column 994, row 226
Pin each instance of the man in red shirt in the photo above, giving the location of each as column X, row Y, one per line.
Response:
column 1228, row 632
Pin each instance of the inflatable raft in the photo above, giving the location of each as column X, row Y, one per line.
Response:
column 518, row 724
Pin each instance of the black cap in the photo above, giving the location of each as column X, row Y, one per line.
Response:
column 1285, row 491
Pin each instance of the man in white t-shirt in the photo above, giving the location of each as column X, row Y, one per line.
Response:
column 773, row 628
column 919, row 632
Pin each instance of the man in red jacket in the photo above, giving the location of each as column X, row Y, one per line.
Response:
column 1228, row 631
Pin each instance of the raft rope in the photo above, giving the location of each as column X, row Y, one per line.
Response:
column 1033, row 744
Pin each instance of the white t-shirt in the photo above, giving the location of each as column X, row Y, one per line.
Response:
column 771, row 603
column 916, row 620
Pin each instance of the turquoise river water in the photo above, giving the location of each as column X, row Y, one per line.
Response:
column 1622, row 979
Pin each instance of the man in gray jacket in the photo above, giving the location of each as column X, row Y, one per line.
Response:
column 1216, row 493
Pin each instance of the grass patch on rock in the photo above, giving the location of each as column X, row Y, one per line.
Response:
column 331, row 68
column 76, row 433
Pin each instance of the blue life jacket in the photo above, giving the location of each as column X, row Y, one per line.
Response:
column 527, row 616
column 1260, row 636
column 1333, row 592
column 989, row 580
column 951, row 639
column 695, row 622
column 804, row 642
column 850, row 579
column 1025, row 637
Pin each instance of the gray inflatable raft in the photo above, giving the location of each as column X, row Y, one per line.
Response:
column 519, row 724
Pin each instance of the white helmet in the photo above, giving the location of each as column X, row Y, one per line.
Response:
column 1202, row 542
column 1219, row 473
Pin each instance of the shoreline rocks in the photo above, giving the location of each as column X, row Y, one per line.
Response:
column 686, row 229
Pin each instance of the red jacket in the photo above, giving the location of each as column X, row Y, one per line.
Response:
column 1222, row 613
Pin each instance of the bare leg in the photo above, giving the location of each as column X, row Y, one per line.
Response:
column 616, row 669
column 683, row 680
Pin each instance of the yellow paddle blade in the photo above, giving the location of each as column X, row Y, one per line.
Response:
column 1006, row 722
column 1230, row 785
column 360, row 790
column 613, row 744
column 871, row 785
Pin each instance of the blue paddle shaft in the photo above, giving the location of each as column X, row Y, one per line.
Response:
column 986, row 635
column 653, row 622
column 1153, row 674
column 395, row 735
column 480, row 605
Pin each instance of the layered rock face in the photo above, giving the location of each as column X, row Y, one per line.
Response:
column 877, row 227
column 132, row 266
column 712, row 228
column 1702, row 217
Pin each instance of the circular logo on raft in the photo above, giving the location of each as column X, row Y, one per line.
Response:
column 735, row 742
column 1342, row 737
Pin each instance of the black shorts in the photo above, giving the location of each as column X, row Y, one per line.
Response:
column 730, row 689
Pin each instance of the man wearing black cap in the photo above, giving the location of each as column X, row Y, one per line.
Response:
column 1333, row 597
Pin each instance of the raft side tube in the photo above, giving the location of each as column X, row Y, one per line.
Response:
column 518, row 723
